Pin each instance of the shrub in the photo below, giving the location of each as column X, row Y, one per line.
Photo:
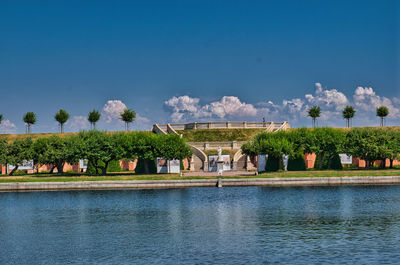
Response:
column 272, row 164
column 335, row 163
column 113, row 166
column 140, row 167
column 296, row 164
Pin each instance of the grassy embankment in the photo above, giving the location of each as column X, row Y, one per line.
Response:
column 219, row 135
column 13, row 137
column 200, row 135
column 130, row 176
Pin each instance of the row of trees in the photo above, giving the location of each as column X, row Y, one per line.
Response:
column 348, row 114
column 62, row 116
column 327, row 143
column 99, row 148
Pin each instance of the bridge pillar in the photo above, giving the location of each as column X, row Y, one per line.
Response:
column 205, row 166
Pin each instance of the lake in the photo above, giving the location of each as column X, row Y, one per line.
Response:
column 243, row 225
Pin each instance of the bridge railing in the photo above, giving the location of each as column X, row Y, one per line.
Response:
column 271, row 126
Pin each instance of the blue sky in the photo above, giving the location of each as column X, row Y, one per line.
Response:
column 178, row 61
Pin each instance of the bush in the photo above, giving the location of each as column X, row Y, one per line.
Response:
column 113, row 166
column 272, row 164
column 296, row 164
column 335, row 163
column 140, row 169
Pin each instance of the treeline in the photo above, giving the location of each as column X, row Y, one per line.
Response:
column 327, row 143
column 99, row 148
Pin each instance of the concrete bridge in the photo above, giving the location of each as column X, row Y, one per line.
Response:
column 199, row 160
column 173, row 127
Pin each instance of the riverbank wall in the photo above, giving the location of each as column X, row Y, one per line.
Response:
column 163, row 184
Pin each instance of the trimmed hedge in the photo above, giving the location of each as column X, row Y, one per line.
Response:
column 140, row 169
column 113, row 166
column 296, row 164
column 335, row 163
column 272, row 164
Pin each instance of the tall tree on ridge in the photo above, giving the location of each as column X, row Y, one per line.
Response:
column 29, row 119
column 314, row 113
column 61, row 117
column 382, row 112
column 348, row 114
column 93, row 117
column 128, row 116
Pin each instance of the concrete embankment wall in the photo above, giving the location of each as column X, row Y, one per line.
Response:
column 160, row 184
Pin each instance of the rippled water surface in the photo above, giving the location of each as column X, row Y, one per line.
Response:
column 357, row 224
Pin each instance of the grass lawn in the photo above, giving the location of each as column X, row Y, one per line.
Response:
column 130, row 176
column 219, row 135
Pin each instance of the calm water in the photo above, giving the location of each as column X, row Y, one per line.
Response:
column 304, row 225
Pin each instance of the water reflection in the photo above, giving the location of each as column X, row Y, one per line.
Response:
column 357, row 224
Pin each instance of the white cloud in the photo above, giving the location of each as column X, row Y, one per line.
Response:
column 112, row 110
column 186, row 108
column 331, row 102
column 366, row 99
column 110, row 119
column 231, row 106
column 327, row 98
column 78, row 123
column 6, row 126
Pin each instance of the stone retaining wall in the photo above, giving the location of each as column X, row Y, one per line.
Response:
column 159, row 184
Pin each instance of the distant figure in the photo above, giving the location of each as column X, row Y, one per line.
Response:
column 263, row 119
column 219, row 153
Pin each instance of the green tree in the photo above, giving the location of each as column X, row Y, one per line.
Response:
column 382, row 112
column 348, row 114
column 39, row 147
column 365, row 143
column 314, row 113
column 141, row 145
column 128, row 116
column 274, row 144
column 3, row 151
column 327, row 143
column 61, row 117
column 394, row 146
column 1, row 118
column 29, row 119
column 93, row 117
column 171, row 147
column 19, row 151
column 55, row 151
column 100, row 148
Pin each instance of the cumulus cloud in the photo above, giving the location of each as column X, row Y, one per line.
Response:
column 7, row 126
column 331, row 102
column 78, row 123
column 366, row 99
column 111, row 114
column 328, row 98
column 112, row 110
column 185, row 107
column 230, row 106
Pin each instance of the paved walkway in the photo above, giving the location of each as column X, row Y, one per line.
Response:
column 213, row 174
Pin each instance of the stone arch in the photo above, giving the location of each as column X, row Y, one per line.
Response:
column 199, row 159
column 239, row 160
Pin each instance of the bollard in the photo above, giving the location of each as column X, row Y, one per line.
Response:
column 219, row 183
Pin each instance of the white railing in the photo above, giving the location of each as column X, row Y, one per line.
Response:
column 269, row 126
column 221, row 125
column 214, row 145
